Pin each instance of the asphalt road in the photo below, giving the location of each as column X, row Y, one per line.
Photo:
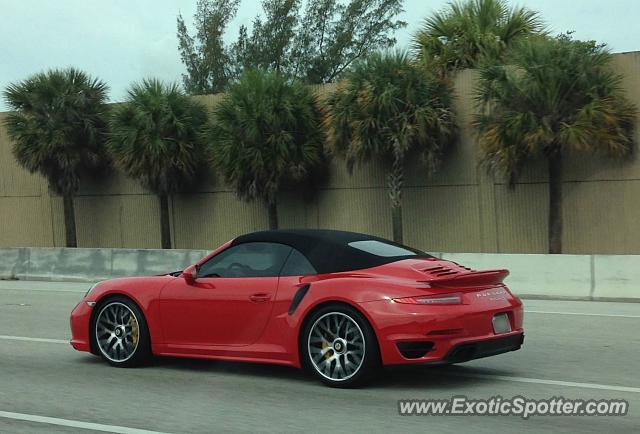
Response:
column 585, row 350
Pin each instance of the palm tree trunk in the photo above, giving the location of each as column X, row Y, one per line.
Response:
column 272, row 208
column 395, row 182
column 165, row 228
column 69, row 220
column 555, row 202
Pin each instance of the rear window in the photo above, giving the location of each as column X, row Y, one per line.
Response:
column 383, row 249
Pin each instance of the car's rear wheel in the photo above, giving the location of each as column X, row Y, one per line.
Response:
column 120, row 333
column 340, row 346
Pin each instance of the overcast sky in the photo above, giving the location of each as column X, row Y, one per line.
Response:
column 122, row 41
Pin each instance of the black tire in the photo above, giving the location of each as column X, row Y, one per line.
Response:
column 134, row 346
column 370, row 362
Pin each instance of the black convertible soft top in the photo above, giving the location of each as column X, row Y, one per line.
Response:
column 331, row 251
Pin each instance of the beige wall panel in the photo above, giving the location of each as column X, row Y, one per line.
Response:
column 57, row 218
column 586, row 167
column 521, row 218
column 628, row 66
column 140, row 221
column 361, row 210
column 209, row 101
column 98, row 221
column 204, row 221
column 14, row 180
column 209, row 183
column 123, row 221
column 535, row 171
column 486, row 191
column 459, row 167
column 365, row 175
column 602, row 217
column 297, row 210
column 23, row 222
column 438, row 219
column 112, row 181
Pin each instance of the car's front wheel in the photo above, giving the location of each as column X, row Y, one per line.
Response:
column 120, row 333
column 340, row 346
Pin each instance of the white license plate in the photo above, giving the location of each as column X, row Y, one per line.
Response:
column 501, row 323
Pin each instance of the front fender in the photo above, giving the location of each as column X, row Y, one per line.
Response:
column 143, row 291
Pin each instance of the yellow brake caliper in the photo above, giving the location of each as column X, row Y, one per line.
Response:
column 325, row 344
column 134, row 330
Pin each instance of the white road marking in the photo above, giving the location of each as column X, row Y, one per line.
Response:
column 75, row 423
column 28, row 339
column 582, row 313
column 609, row 387
column 551, row 382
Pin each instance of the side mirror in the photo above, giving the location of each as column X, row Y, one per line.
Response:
column 190, row 274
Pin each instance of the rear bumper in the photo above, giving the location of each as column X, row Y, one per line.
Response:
column 490, row 347
column 409, row 334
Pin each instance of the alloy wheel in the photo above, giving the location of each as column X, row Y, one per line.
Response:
column 117, row 332
column 336, row 346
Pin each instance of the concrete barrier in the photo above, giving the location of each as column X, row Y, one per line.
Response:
column 568, row 276
column 576, row 277
column 14, row 263
column 126, row 262
column 616, row 277
column 87, row 265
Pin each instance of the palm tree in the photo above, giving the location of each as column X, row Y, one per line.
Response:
column 58, row 127
column 388, row 109
column 470, row 32
column 557, row 97
column 267, row 135
column 156, row 138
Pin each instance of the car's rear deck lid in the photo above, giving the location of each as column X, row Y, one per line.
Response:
column 449, row 274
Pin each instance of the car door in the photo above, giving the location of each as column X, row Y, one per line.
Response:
column 230, row 301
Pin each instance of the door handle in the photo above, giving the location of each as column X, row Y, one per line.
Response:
column 260, row 298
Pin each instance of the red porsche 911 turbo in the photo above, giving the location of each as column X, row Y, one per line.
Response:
column 339, row 304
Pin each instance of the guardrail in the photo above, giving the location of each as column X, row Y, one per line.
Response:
column 576, row 277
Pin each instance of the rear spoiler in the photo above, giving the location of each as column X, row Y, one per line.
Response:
column 471, row 278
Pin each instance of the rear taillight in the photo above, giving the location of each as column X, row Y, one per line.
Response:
column 440, row 299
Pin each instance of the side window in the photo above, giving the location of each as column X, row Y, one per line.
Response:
column 297, row 265
column 247, row 260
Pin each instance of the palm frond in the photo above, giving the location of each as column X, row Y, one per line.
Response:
column 267, row 135
column 156, row 136
column 473, row 33
column 556, row 94
column 387, row 108
column 58, row 125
